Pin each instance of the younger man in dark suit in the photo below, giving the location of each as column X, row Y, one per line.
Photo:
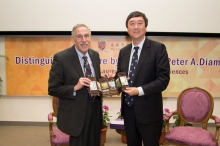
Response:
column 79, row 115
column 147, row 66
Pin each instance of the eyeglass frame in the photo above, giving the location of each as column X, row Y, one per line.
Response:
column 80, row 37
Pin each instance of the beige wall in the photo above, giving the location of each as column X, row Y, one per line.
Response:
column 36, row 108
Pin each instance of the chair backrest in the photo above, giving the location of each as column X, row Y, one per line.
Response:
column 195, row 106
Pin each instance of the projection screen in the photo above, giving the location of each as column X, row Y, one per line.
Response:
column 197, row 16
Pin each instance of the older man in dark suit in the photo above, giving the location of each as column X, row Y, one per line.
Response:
column 79, row 114
column 147, row 66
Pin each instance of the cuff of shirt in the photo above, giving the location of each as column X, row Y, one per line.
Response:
column 140, row 90
column 74, row 93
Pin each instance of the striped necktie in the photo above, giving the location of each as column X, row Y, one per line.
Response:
column 87, row 69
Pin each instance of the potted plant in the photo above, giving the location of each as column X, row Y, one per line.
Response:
column 165, row 112
column 177, row 121
column 119, row 115
column 106, row 119
column 5, row 57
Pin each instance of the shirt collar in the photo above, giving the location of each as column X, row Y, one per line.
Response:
column 80, row 54
column 140, row 45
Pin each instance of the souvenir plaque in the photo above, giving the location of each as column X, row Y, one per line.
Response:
column 105, row 87
column 99, row 87
column 123, row 80
column 112, row 86
column 94, row 88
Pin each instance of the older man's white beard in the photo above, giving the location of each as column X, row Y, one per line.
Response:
column 84, row 43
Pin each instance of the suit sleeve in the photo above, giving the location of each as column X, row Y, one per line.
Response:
column 119, row 62
column 162, row 72
column 56, row 85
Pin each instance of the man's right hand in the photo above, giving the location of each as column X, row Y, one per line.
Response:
column 81, row 83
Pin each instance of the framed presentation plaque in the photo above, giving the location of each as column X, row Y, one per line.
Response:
column 94, row 88
column 122, row 80
column 105, row 87
column 112, row 86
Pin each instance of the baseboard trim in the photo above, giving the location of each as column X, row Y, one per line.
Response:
column 21, row 123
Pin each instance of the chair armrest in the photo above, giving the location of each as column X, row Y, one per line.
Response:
column 50, row 119
column 216, row 119
column 169, row 115
column 167, row 120
column 217, row 124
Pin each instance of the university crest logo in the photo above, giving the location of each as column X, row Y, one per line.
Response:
column 101, row 45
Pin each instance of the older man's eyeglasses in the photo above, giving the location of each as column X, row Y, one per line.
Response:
column 80, row 37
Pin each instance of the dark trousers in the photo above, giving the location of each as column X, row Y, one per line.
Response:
column 91, row 131
column 137, row 133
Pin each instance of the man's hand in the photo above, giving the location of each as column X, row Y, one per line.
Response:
column 132, row 91
column 81, row 83
column 108, row 75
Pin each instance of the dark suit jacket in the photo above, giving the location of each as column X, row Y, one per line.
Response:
column 64, row 75
column 152, row 74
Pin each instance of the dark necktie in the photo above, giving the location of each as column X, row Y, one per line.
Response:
column 133, row 66
column 87, row 69
column 87, row 72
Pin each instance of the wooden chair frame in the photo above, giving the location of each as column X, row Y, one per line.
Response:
column 203, row 123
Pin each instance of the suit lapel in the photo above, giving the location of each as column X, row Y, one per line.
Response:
column 143, row 56
column 127, row 58
column 76, row 62
column 95, row 62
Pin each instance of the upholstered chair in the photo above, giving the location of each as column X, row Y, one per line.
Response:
column 57, row 138
column 194, row 106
